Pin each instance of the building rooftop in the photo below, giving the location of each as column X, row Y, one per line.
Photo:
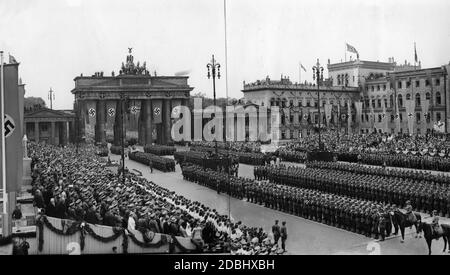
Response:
column 286, row 84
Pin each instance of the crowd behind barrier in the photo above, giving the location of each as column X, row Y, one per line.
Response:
column 116, row 150
column 78, row 187
column 420, row 152
column 61, row 236
column 425, row 195
column 160, row 163
column 365, row 217
column 291, row 156
column 160, row 150
column 102, row 151
column 237, row 146
column 244, row 157
column 208, row 160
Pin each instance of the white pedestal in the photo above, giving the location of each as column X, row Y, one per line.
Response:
column 26, row 178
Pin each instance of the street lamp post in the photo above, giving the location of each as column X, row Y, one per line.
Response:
column 124, row 102
column 318, row 76
column 51, row 97
column 214, row 70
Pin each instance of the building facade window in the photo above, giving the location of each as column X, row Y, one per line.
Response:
column 438, row 116
column 399, row 85
column 379, row 103
column 437, row 82
column 417, row 83
column 438, row 98
column 427, row 96
column 391, row 100
column 400, row 101
column 418, row 117
column 417, row 100
column 384, row 87
column 408, row 96
column 427, row 82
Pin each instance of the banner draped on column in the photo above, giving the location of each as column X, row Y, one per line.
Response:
column 397, row 116
column 338, row 121
column 410, row 115
column 372, row 119
column 385, row 119
column 358, row 106
column 425, row 103
column 13, row 126
column 328, row 107
column 349, row 117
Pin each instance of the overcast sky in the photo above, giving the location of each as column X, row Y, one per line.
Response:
column 57, row 40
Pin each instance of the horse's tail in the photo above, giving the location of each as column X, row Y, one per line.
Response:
column 426, row 230
column 396, row 218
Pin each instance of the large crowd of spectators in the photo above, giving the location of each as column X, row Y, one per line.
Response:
column 420, row 152
column 68, row 185
column 236, row 146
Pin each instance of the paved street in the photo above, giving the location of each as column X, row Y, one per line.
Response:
column 304, row 236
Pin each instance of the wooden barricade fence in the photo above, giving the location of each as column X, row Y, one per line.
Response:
column 66, row 238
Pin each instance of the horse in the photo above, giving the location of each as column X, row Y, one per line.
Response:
column 400, row 221
column 428, row 234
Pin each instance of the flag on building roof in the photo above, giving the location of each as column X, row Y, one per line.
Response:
column 415, row 53
column 301, row 66
column 12, row 60
column 352, row 49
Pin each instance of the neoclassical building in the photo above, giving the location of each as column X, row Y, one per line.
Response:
column 299, row 104
column 362, row 97
column 50, row 126
column 406, row 101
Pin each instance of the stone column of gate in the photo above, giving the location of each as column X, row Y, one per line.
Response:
column 36, row 131
column 82, row 117
column 100, row 117
column 167, row 120
column 147, row 122
column 118, row 124
column 64, row 131
column 53, row 133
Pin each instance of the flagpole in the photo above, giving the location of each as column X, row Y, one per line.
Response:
column 2, row 114
column 415, row 56
column 345, row 51
column 299, row 73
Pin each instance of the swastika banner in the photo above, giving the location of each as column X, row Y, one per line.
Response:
column 157, row 111
column 13, row 126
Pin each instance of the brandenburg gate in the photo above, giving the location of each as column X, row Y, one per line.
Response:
column 150, row 97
